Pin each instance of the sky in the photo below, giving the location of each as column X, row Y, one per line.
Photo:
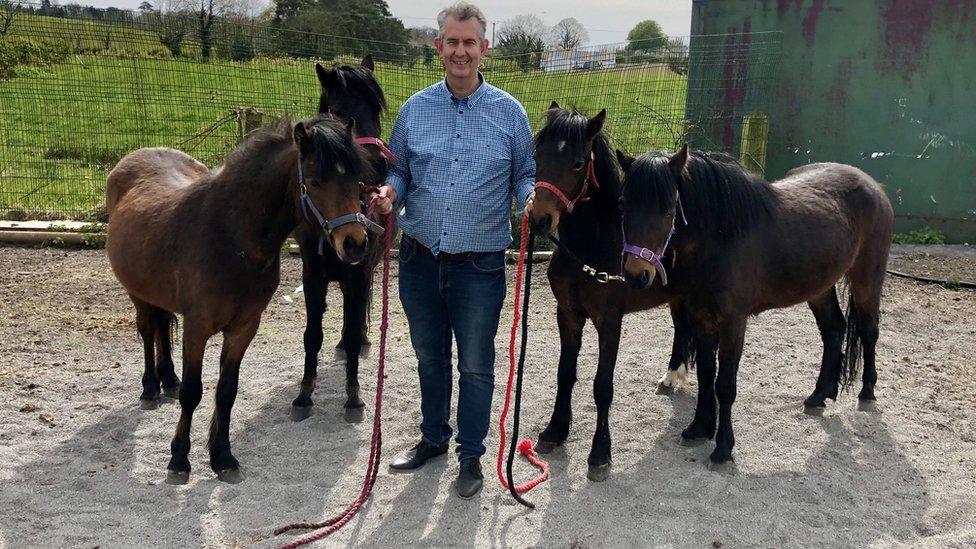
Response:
column 607, row 21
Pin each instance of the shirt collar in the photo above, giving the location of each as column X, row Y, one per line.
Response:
column 472, row 99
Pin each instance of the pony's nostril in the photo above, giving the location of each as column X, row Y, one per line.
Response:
column 645, row 279
column 349, row 246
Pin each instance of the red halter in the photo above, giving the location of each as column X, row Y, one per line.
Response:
column 386, row 152
column 581, row 197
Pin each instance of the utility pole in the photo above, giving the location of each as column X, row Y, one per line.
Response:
column 493, row 33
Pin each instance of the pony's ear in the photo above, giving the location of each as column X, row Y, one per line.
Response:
column 595, row 124
column 301, row 137
column 327, row 77
column 625, row 161
column 367, row 63
column 553, row 105
column 679, row 163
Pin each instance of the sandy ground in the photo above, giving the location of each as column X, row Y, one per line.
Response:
column 82, row 466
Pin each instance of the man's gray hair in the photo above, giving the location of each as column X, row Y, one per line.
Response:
column 461, row 11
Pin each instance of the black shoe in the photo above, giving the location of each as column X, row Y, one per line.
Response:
column 470, row 480
column 417, row 456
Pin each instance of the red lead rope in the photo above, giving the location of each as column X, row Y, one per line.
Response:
column 525, row 446
column 323, row 529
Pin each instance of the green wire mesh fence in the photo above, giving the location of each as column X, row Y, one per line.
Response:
column 78, row 93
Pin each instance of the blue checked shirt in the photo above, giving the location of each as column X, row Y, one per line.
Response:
column 461, row 161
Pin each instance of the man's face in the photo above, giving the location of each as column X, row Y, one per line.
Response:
column 462, row 47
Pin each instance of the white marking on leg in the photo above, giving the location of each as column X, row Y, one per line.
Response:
column 675, row 378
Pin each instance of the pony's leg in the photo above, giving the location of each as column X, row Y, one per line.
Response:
column 355, row 301
column 702, row 427
column 867, row 303
column 677, row 374
column 315, row 287
column 195, row 336
column 608, row 329
column 340, row 349
column 164, row 353
column 830, row 321
column 570, row 326
column 146, row 324
column 731, row 337
column 236, row 341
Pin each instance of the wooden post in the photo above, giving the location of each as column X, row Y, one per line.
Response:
column 755, row 132
column 248, row 120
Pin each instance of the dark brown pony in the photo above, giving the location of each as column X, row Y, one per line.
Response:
column 206, row 244
column 348, row 93
column 590, row 235
column 749, row 246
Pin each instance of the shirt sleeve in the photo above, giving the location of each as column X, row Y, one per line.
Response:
column 399, row 175
column 523, row 162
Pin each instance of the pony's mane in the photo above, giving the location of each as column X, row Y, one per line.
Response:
column 719, row 197
column 330, row 145
column 570, row 126
column 360, row 82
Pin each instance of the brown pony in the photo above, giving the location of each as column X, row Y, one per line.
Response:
column 574, row 159
column 206, row 244
column 740, row 245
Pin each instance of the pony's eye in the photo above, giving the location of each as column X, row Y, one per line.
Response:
column 578, row 166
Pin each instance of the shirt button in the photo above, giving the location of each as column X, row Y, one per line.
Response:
column 448, row 209
column 459, row 136
column 455, row 159
column 445, row 234
column 460, row 112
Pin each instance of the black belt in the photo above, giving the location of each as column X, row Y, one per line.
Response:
column 445, row 256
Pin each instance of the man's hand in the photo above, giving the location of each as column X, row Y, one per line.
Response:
column 385, row 197
column 528, row 203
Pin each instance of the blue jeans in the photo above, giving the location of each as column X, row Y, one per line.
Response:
column 463, row 298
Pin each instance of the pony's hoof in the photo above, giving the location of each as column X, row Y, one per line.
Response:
column 545, row 447
column 339, row 355
column 726, row 466
column 300, row 413
column 692, row 442
column 177, row 477
column 365, row 351
column 598, row 473
column 867, row 405
column 663, row 389
column 172, row 392
column 149, row 404
column 816, row 411
column 354, row 415
column 230, row 476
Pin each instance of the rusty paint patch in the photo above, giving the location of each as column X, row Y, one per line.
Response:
column 810, row 20
column 837, row 97
column 734, row 78
column 783, row 5
column 906, row 27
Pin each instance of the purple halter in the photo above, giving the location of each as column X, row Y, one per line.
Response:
column 652, row 257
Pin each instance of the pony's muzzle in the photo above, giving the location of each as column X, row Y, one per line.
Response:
column 638, row 273
column 350, row 242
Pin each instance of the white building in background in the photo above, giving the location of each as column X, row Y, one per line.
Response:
column 564, row 60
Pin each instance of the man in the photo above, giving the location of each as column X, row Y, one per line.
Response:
column 465, row 149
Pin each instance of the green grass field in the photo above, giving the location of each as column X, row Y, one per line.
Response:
column 63, row 126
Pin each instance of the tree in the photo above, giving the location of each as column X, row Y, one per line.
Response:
column 8, row 10
column 358, row 19
column 646, row 35
column 145, row 7
column 568, row 34
column 521, row 37
column 205, row 19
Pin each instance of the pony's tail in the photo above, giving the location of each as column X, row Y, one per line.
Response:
column 851, row 362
